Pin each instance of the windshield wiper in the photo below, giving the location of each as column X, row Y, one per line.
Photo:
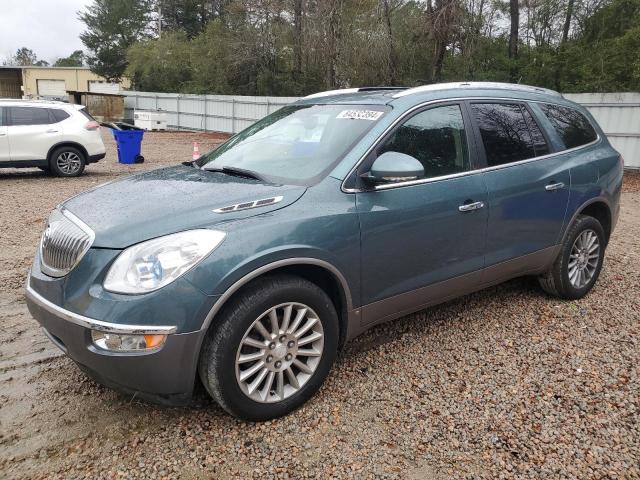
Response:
column 237, row 172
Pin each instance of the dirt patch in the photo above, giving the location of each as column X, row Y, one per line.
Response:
column 631, row 181
column 506, row 382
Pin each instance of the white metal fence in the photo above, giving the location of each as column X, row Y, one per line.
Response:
column 218, row 113
column 617, row 113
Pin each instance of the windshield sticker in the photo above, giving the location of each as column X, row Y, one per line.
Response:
column 360, row 114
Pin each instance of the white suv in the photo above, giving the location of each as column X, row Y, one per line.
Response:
column 53, row 136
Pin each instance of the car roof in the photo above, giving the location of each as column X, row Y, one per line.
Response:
column 440, row 91
column 33, row 103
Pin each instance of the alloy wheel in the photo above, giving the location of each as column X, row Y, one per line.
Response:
column 69, row 163
column 584, row 258
column 279, row 352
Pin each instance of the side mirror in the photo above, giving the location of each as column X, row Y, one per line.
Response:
column 395, row 167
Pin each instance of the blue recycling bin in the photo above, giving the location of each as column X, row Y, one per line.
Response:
column 129, row 143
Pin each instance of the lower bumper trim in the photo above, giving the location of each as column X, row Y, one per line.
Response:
column 95, row 158
column 93, row 324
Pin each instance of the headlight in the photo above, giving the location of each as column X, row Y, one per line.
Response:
column 155, row 263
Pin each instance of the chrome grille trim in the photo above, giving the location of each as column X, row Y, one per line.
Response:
column 247, row 205
column 64, row 243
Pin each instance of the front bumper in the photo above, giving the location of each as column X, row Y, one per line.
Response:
column 164, row 376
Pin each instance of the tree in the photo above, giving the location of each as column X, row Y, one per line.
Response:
column 112, row 27
column 514, row 15
column 442, row 16
column 76, row 59
column 297, row 36
column 387, row 12
column 24, row 57
column 296, row 47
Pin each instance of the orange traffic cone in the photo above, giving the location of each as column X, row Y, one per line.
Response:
column 196, row 151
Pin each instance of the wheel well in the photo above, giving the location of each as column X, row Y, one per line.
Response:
column 599, row 211
column 68, row 144
column 324, row 279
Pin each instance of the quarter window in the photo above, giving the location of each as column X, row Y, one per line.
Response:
column 504, row 131
column 572, row 126
column 29, row 116
column 58, row 114
column 435, row 137
column 539, row 142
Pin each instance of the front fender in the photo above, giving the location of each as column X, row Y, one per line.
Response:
column 298, row 234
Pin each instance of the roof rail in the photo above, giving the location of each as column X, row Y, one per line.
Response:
column 344, row 91
column 328, row 93
column 376, row 89
column 477, row 85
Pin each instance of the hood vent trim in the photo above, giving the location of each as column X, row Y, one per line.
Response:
column 248, row 205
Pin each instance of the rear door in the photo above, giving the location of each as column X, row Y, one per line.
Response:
column 32, row 131
column 528, row 188
column 4, row 138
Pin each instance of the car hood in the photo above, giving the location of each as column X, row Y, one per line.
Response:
column 169, row 200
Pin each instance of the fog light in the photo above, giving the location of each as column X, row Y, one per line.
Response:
column 115, row 342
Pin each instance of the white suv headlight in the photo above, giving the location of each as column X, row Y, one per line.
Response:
column 155, row 263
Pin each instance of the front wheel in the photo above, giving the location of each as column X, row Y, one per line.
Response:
column 576, row 270
column 272, row 348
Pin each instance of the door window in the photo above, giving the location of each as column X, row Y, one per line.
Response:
column 436, row 138
column 504, row 131
column 572, row 126
column 29, row 116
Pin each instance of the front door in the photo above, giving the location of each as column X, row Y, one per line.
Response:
column 422, row 233
column 528, row 190
column 32, row 132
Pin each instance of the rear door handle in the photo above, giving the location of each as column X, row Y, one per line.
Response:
column 468, row 207
column 52, row 130
column 554, row 186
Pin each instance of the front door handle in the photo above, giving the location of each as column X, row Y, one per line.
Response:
column 467, row 207
column 52, row 130
column 554, row 186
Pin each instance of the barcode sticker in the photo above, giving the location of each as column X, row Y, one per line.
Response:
column 360, row 114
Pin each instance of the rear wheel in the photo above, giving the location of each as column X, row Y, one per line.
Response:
column 272, row 349
column 577, row 268
column 67, row 162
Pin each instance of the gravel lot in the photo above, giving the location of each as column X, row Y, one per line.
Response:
column 500, row 384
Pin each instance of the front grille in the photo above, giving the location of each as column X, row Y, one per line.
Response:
column 64, row 242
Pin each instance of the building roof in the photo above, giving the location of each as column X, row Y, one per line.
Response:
column 24, row 67
column 84, row 92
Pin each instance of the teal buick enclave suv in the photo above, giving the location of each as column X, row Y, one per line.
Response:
column 252, row 266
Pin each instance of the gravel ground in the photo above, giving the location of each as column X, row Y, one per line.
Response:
column 500, row 384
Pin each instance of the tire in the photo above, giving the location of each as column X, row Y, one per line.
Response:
column 224, row 344
column 67, row 162
column 557, row 280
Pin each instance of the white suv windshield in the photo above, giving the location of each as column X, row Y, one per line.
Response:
column 298, row 144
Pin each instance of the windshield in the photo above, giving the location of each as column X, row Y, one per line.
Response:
column 298, row 144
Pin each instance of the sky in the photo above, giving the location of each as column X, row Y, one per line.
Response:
column 48, row 27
